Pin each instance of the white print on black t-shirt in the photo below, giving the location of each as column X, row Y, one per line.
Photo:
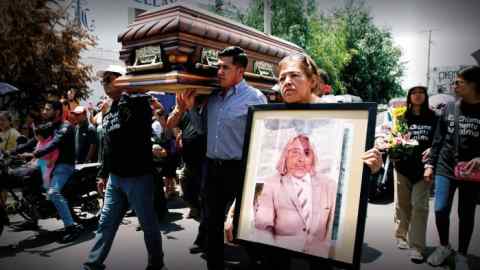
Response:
column 420, row 132
column 468, row 126
column 111, row 122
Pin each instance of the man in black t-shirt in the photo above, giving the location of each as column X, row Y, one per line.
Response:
column 85, row 137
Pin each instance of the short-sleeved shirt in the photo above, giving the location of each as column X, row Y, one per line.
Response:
column 85, row 136
column 191, row 124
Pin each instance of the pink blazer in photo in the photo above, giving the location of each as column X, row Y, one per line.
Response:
column 278, row 211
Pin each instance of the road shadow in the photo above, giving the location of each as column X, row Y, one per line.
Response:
column 41, row 238
column 168, row 225
column 177, row 203
column 369, row 254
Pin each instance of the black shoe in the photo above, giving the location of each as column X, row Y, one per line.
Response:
column 26, row 226
column 194, row 249
column 72, row 232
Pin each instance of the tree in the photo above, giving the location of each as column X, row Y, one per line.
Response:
column 327, row 45
column 359, row 57
column 289, row 20
column 40, row 51
column 375, row 68
column 228, row 10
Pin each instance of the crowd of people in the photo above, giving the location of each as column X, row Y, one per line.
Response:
column 140, row 145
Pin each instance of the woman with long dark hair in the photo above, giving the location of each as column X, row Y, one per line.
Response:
column 412, row 189
column 457, row 138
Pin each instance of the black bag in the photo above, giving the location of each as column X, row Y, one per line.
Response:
column 381, row 189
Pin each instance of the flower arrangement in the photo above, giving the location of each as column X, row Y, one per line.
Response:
column 398, row 142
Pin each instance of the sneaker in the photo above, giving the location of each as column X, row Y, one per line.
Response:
column 72, row 232
column 461, row 262
column 439, row 255
column 25, row 226
column 416, row 256
column 402, row 244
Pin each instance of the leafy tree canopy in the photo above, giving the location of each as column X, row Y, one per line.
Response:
column 359, row 57
column 40, row 51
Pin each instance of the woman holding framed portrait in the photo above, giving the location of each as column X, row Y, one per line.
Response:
column 298, row 81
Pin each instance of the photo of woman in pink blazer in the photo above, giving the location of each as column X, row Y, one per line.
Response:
column 296, row 206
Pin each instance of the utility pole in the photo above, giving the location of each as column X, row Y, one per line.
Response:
column 429, row 49
column 429, row 46
column 267, row 17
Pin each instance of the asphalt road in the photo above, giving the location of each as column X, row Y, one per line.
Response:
column 39, row 250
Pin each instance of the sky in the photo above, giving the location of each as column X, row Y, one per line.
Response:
column 455, row 29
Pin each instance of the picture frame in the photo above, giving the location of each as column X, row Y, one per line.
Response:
column 305, row 186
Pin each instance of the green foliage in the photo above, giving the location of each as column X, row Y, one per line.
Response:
column 327, row 45
column 375, row 69
column 288, row 20
column 359, row 58
column 228, row 10
column 40, row 51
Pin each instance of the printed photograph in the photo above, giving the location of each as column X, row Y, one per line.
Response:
column 302, row 180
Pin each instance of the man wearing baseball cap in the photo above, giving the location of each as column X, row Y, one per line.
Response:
column 85, row 137
column 126, row 172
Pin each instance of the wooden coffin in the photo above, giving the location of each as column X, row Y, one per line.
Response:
column 175, row 48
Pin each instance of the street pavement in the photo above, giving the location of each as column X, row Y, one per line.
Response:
column 39, row 250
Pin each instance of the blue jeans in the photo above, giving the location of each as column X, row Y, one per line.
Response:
column 444, row 191
column 120, row 193
column 60, row 175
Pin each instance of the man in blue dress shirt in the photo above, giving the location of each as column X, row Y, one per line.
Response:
column 226, row 119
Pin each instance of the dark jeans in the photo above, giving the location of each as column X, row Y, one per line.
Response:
column 159, row 198
column 193, row 154
column 191, row 183
column 222, row 184
column 467, row 192
column 201, row 239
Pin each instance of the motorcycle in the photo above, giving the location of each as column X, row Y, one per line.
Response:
column 32, row 204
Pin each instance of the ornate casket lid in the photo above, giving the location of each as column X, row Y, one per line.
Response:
column 174, row 48
column 182, row 18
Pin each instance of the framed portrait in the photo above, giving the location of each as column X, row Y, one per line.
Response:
column 304, row 188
